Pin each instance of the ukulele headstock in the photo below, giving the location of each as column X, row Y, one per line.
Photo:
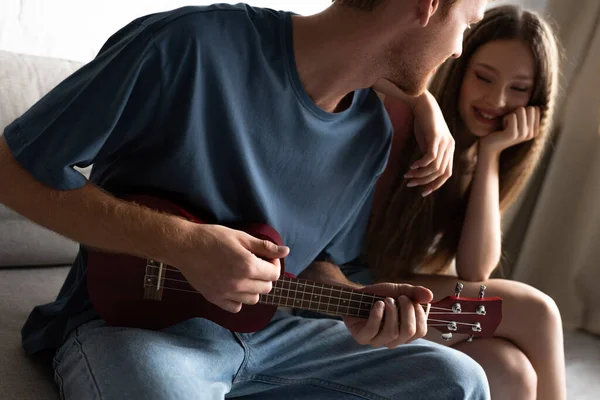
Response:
column 476, row 317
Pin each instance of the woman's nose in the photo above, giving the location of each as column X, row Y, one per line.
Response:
column 496, row 98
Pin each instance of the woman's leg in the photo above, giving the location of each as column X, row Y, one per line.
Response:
column 509, row 371
column 531, row 325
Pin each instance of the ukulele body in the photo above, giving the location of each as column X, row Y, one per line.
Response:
column 139, row 293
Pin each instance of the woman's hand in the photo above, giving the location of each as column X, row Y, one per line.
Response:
column 436, row 143
column 519, row 127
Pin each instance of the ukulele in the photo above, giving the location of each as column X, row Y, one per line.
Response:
column 143, row 293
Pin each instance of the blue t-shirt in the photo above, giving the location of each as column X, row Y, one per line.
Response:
column 206, row 103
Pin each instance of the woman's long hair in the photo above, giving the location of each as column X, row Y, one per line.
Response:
column 410, row 232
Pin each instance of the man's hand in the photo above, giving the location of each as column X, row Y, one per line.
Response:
column 436, row 143
column 403, row 319
column 229, row 267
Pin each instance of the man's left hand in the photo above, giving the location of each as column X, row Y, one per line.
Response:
column 399, row 320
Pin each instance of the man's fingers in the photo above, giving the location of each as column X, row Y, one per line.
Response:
column 418, row 294
column 266, row 249
column 228, row 305
column 244, row 298
column 421, row 318
column 262, row 270
column 408, row 321
column 389, row 332
column 251, row 286
column 366, row 334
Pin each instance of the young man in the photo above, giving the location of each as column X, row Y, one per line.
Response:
column 250, row 115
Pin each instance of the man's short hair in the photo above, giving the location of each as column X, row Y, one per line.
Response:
column 366, row 5
column 369, row 5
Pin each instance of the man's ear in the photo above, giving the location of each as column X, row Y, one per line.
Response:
column 426, row 10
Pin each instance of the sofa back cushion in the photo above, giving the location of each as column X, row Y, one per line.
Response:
column 24, row 79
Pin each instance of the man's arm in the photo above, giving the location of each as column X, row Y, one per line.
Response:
column 327, row 272
column 88, row 215
column 229, row 276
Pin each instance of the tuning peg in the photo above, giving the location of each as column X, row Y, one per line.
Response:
column 470, row 339
column 446, row 336
column 482, row 291
column 458, row 289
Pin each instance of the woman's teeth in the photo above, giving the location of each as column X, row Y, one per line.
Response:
column 486, row 115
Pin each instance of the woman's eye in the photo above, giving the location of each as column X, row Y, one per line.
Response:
column 521, row 89
column 483, row 78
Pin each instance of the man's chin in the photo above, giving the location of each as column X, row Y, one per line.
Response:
column 392, row 89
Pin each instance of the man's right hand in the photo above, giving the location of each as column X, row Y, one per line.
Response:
column 227, row 266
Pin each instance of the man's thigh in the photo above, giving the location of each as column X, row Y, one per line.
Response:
column 320, row 355
column 194, row 359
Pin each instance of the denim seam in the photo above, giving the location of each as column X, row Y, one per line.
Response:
column 87, row 364
column 316, row 382
column 59, row 381
column 246, row 358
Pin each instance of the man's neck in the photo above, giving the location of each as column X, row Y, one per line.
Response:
column 332, row 56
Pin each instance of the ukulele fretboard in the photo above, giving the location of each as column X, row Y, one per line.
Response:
column 320, row 297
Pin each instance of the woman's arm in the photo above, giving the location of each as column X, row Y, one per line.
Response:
column 480, row 244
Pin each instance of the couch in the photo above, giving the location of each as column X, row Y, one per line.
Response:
column 33, row 260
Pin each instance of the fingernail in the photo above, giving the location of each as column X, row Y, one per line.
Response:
column 414, row 167
column 426, row 193
column 390, row 301
column 411, row 184
column 282, row 249
column 379, row 305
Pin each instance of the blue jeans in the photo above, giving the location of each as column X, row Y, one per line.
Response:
column 292, row 358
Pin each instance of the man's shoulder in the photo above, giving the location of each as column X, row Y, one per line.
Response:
column 212, row 23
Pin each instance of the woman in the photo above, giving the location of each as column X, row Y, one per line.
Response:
column 498, row 100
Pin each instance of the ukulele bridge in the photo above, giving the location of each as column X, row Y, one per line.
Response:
column 154, row 280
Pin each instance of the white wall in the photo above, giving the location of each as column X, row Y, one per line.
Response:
column 76, row 29
column 537, row 5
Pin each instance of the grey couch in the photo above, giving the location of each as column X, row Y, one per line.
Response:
column 33, row 260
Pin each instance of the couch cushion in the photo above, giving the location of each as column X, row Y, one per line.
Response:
column 24, row 80
column 20, row 290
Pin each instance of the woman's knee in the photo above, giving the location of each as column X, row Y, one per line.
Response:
column 536, row 307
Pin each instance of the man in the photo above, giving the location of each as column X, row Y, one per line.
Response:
column 250, row 115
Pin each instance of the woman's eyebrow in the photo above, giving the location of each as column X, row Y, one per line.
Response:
column 523, row 77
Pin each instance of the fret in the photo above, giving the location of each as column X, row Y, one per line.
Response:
column 304, row 295
column 285, row 293
column 320, row 297
column 295, row 286
column 311, row 296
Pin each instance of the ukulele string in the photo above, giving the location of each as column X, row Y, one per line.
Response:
column 296, row 282
column 444, row 323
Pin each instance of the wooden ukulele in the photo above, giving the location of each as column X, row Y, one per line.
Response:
column 134, row 292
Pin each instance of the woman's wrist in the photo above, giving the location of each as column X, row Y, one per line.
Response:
column 487, row 154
